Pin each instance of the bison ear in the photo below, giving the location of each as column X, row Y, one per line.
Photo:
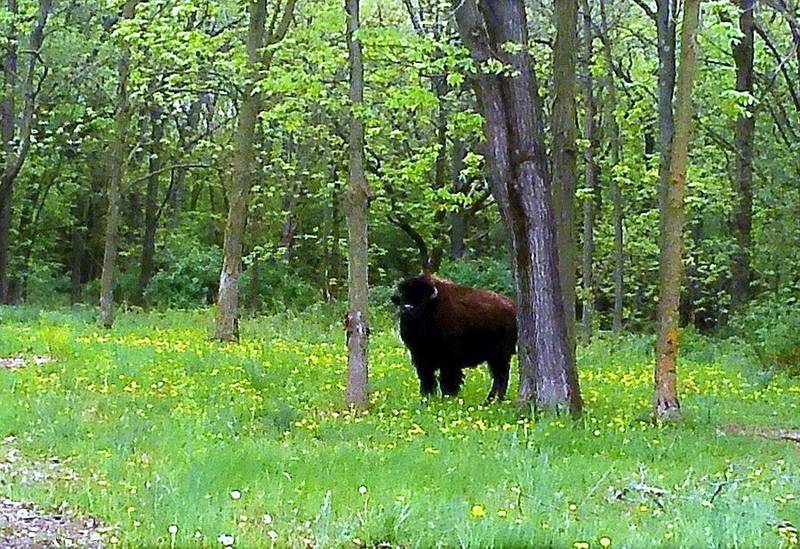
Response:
column 435, row 293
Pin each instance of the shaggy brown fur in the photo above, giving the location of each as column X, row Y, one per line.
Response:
column 448, row 327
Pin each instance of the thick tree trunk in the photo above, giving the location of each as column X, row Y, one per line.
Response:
column 743, row 141
column 615, row 191
column 590, row 171
column 564, row 150
column 520, row 184
column 666, row 405
column 357, row 320
column 227, row 324
column 118, row 154
column 227, row 321
column 151, row 204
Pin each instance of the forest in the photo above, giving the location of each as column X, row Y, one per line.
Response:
column 251, row 251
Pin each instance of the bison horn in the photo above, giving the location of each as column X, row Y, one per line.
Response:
column 435, row 293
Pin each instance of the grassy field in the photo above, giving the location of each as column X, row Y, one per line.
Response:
column 165, row 428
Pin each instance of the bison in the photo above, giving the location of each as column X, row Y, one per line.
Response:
column 448, row 327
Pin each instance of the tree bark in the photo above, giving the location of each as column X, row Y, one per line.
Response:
column 227, row 321
column 151, row 203
column 16, row 144
column 118, row 154
column 458, row 218
column 590, row 175
column 666, row 404
column 665, row 25
column 743, row 141
column 80, row 211
column 614, row 187
column 520, row 184
column 357, row 199
column 564, row 150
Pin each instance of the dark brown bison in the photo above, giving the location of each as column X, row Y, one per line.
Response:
column 448, row 327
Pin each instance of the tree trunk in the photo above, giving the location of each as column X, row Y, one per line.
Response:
column 743, row 141
column 151, row 204
column 254, row 291
column 290, row 219
column 615, row 191
column 119, row 152
column 28, row 232
column 227, row 322
column 459, row 217
column 333, row 255
column 666, row 405
column 16, row 141
column 665, row 25
column 590, row 175
column 80, row 210
column 7, row 131
column 520, row 184
column 564, row 150
column 357, row 320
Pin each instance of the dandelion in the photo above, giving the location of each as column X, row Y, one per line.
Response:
column 502, row 513
column 173, row 529
column 605, row 541
column 478, row 511
column 362, row 489
column 581, row 545
column 267, row 519
column 114, row 540
column 226, row 540
column 273, row 535
column 236, row 494
column 573, row 507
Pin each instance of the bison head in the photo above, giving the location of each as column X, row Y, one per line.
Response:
column 415, row 293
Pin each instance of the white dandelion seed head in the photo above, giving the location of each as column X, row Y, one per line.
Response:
column 267, row 519
column 236, row 494
column 226, row 540
column 362, row 489
column 173, row 529
column 273, row 535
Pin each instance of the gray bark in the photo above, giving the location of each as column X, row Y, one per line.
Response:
column 666, row 405
column 357, row 199
column 565, row 151
column 118, row 153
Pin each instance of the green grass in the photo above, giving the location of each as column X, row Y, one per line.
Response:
column 162, row 425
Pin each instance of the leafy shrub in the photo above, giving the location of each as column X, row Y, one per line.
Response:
column 280, row 288
column 487, row 272
column 772, row 328
column 190, row 276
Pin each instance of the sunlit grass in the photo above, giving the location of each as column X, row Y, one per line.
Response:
column 167, row 428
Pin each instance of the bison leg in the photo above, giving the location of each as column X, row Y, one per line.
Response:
column 499, row 369
column 450, row 380
column 427, row 380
